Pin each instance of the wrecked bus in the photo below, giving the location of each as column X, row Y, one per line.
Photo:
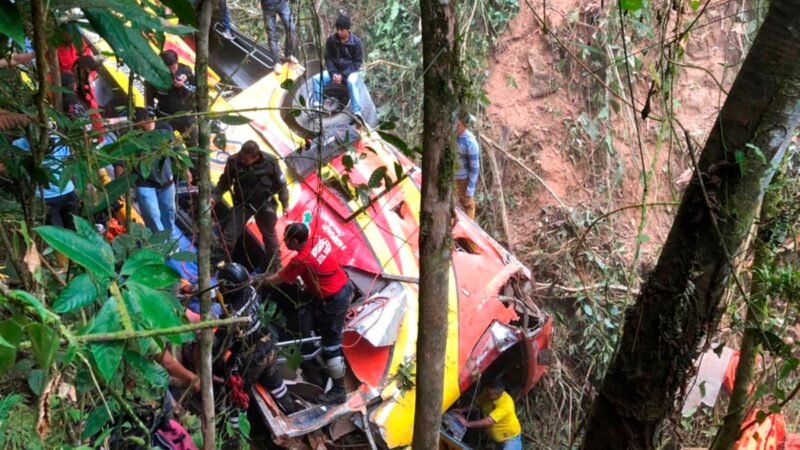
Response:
column 496, row 329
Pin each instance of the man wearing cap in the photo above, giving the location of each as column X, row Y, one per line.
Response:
column 469, row 165
column 343, row 58
column 317, row 264
column 178, row 99
column 279, row 8
column 499, row 417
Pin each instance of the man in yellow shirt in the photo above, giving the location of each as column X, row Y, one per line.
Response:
column 499, row 417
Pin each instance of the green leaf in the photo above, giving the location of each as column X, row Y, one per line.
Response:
column 78, row 249
column 131, row 46
column 152, row 372
column 347, row 162
column 80, row 291
column 131, row 11
column 387, row 125
column 244, row 424
column 97, row 419
column 232, row 119
column 107, row 356
column 10, row 336
column 140, row 259
column 11, row 23
column 33, row 302
column 377, row 177
column 158, row 308
column 36, row 381
column 113, row 190
column 183, row 9
column 88, row 231
column 398, row 171
column 287, row 84
column 106, row 320
column 184, row 256
column 630, row 5
column 156, row 276
column 395, row 141
column 44, row 343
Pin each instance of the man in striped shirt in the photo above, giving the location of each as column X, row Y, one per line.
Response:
column 469, row 165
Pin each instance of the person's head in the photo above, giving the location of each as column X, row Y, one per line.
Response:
column 249, row 154
column 343, row 27
column 295, row 236
column 463, row 122
column 170, row 59
column 232, row 277
column 144, row 120
column 495, row 388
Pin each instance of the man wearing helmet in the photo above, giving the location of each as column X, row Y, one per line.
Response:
column 317, row 264
column 253, row 354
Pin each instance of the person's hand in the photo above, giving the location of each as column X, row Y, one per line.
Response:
column 180, row 81
column 196, row 384
column 212, row 202
column 189, row 178
column 337, row 78
column 462, row 420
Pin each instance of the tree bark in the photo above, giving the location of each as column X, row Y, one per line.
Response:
column 440, row 59
column 757, row 310
column 679, row 304
column 204, row 222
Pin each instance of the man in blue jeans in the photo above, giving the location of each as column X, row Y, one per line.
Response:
column 155, row 194
column 343, row 58
column 280, row 8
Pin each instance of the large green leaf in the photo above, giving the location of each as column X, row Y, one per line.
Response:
column 140, row 259
column 131, row 46
column 97, row 419
column 44, row 343
column 156, row 276
column 159, row 308
column 79, row 249
column 153, row 373
column 11, row 23
column 630, row 5
column 33, row 302
column 130, row 11
column 106, row 320
column 80, row 291
column 107, row 356
column 113, row 191
column 10, row 332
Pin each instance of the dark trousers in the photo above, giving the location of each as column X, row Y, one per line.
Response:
column 329, row 315
column 266, row 218
column 284, row 11
column 61, row 209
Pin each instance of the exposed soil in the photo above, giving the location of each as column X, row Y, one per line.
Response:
column 537, row 105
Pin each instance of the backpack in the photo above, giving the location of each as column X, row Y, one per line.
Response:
column 172, row 436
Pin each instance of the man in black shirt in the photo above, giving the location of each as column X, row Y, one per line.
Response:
column 343, row 58
column 179, row 98
column 253, row 177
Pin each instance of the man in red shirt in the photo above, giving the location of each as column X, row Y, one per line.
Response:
column 317, row 264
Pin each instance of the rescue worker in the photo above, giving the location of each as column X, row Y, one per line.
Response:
column 253, row 354
column 178, row 98
column 499, row 417
column 253, row 177
column 469, row 165
column 317, row 264
column 344, row 56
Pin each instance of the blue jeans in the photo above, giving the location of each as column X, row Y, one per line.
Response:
column 352, row 87
column 283, row 11
column 225, row 15
column 514, row 443
column 157, row 206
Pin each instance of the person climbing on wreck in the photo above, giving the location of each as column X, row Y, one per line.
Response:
column 254, row 178
column 317, row 264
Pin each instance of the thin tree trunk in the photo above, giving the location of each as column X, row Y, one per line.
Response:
column 757, row 310
column 679, row 305
column 440, row 59
column 204, row 222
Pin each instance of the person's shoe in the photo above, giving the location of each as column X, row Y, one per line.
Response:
column 359, row 119
column 278, row 67
column 287, row 404
column 291, row 60
column 227, row 35
column 337, row 394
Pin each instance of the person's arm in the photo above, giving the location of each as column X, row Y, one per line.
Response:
column 474, row 166
column 225, row 180
column 330, row 51
column 283, row 193
column 480, row 423
column 190, row 85
column 175, row 369
column 17, row 59
column 286, row 275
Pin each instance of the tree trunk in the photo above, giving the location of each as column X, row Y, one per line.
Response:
column 440, row 59
column 757, row 310
column 679, row 304
column 204, row 222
